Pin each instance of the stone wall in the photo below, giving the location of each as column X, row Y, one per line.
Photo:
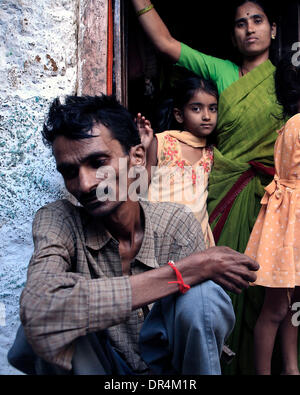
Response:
column 38, row 61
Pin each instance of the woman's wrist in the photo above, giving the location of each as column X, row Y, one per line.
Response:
column 140, row 4
column 144, row 10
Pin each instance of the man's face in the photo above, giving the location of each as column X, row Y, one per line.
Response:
column 80, row 163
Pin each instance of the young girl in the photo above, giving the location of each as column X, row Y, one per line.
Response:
column 274, row 241
column 183, row 159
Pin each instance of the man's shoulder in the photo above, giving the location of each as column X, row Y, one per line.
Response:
column 171, row 218
column 61, row 209
column 63, row 205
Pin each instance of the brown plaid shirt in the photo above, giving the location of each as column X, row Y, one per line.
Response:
column 75, row 283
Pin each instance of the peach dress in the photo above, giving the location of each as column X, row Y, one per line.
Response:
column 177, row 180
column 275, row 239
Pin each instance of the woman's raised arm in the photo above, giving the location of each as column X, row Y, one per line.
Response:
column 156, row 30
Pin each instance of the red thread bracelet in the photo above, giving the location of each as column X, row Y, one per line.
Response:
column 183, row 288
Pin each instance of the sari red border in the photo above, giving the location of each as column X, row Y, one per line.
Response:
column 225, row 205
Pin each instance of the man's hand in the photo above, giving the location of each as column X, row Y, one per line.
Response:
column 145, row 130
column 226, row 267
column 230, row 269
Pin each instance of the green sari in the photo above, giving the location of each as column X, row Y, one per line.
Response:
column 248, row 120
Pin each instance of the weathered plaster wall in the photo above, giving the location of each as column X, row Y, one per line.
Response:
column 92, row 49
column 38, row 61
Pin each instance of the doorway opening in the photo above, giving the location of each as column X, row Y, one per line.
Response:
column 205, row 27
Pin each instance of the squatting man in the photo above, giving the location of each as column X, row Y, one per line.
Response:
column 98, row 267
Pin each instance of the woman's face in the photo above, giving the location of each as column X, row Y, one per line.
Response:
column 252, row 30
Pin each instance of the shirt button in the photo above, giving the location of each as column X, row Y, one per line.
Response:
column 140, row 314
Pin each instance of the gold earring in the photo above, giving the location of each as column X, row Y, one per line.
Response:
column 273, row 36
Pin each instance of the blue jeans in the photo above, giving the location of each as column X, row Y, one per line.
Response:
column 185, row 334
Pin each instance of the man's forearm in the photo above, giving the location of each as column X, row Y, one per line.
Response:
column 60, row 307
column 228, row 268
column 153, row 285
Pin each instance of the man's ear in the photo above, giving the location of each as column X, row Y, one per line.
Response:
column 178, row 115
column 137, row 155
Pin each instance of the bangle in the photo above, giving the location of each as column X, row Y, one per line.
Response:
column 144, row 10
column 183, row 288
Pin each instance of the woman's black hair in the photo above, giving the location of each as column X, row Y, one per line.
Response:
column 287, row 83
column 268, row 8
column 182, row 91
column 75, row 118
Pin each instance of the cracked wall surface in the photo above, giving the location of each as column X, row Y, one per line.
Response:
column 38, row 62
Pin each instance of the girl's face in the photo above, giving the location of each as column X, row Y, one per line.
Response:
column 252, row 30
column 199, row 116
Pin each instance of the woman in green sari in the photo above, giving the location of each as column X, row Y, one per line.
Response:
column 243, row 160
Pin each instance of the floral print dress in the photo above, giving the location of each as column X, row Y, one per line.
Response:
column 175, row 179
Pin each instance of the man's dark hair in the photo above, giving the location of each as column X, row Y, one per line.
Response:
column 75, row 118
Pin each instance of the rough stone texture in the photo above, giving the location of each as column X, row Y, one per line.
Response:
column 38, row 61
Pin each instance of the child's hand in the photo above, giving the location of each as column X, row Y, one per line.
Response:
column 145, row 130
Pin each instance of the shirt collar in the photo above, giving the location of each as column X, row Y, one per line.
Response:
column 146, row 254
column 96, row 237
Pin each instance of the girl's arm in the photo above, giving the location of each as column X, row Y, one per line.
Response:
column 145, row 130
column 157, row 31
column 149, row 142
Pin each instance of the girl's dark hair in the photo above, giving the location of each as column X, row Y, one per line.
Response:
column 75, row 118
column 182, row 91
column 287, row 83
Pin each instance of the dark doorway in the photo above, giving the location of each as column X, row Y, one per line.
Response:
column 205, row 26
